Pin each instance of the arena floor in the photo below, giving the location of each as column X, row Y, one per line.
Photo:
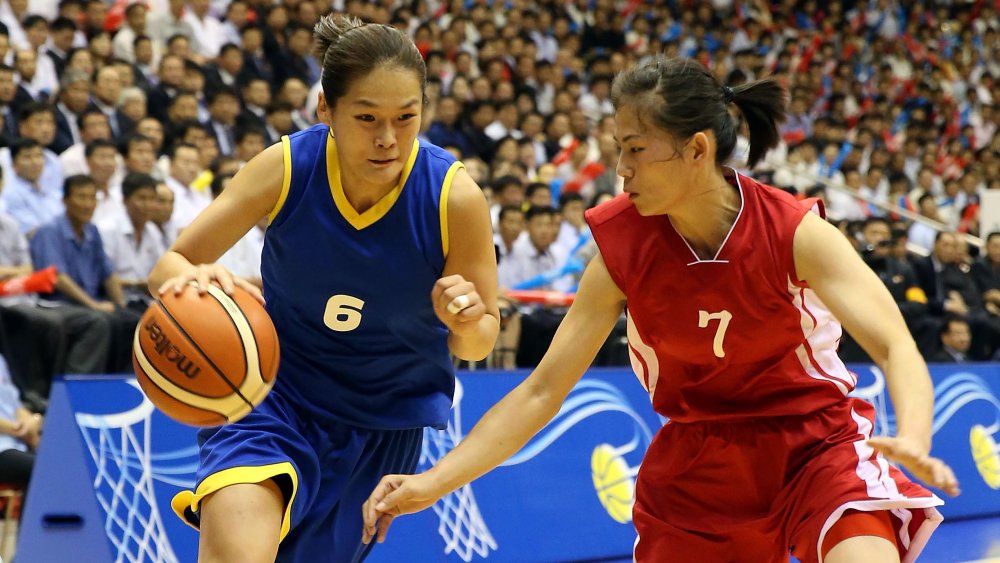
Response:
column 960, row 541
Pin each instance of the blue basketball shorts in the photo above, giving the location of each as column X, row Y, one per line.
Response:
column 329, row 469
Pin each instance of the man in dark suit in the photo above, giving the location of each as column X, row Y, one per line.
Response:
column 986, row 271
column 8, row 90
column 226, row 71
column 955, row 340
column 171, row 75
column 106, row 89
column 62, row 31
column 950, row 290
column 74, row 97
column 224, row 107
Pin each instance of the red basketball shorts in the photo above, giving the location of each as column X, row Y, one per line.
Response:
column 756, row 490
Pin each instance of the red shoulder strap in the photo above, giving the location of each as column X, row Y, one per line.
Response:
column 815, row 205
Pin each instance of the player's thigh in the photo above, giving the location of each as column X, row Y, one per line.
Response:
column 241, row 523
column 871, row 549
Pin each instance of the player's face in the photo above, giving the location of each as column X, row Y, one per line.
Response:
column 650, row 161
column 375, row 124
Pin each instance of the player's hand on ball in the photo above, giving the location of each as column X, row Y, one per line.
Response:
column 204, row 274
column 457, row 303
column 917, row 461
column 394, row 496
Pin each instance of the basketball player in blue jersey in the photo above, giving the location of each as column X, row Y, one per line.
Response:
column 378, row 265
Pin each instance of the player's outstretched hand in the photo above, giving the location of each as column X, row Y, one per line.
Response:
column 457, row 303
column 394, row 496
column 918, row 462
column 204, row 274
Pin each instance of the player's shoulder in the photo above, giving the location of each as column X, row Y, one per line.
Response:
column 318, row 131
column 434, row 154
column 608, row 210
column 770, row 196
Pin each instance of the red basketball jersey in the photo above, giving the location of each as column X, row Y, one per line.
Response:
column 732, row 337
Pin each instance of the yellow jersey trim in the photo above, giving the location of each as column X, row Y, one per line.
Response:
column 374, row 213
column 185, row 500
column 286, row 181
column 443, row 205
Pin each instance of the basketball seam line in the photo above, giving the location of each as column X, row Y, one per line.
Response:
column 204, row 355
column 246, row 366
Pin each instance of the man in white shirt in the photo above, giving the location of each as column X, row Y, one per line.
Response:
column 132, row 241
column 46, row 78
column 206, row 27
column 123, row 44
column 510, row 225
column 37, row 122
column 533, row 254
column 104, row 165
column 163, row 210
column 92, row 124
column 184, row 168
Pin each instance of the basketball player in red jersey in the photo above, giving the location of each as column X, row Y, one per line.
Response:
column 735, row 294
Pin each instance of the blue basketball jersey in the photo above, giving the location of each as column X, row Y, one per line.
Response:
column 349, row 293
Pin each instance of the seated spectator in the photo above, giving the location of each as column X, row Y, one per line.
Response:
column 105, row 167
column 538, row 194
column 986, row 272
column 44, row 341
column 72, row 244
column 445, row 130
column 184, row 169
column 171, row 77
column 249, row 142
column 132, row 241
column 922, row 234
column 37, row 121
column 533, row 255
column 162, row 216
column 74, row 96
column 573, row 226
column 951, row 290
column 224, row 107
column 507, row 190
column 92, row 125
column 955, row 339
column 106, row 89
column 20, row 433
column 509, row 227
column 29, row 201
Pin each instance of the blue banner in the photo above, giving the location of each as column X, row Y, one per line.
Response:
column 110, row 463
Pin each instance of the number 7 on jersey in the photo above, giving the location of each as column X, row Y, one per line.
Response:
column 723, row 317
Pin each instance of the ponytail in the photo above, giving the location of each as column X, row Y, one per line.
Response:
column 762, row 104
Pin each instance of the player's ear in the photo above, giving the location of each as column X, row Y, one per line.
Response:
column 699, row 146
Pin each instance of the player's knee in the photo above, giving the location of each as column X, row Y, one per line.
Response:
column 241, row 524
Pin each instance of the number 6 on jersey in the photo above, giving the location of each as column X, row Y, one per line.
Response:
column 723, row 317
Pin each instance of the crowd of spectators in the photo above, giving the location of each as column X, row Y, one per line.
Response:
column 120, row 122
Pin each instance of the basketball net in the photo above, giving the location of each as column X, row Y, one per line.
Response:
column 461, row 525
column 119, row 445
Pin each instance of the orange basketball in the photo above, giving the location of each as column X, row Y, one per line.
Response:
column 205, row 360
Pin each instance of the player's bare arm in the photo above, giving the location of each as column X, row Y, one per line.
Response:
column 254, row 193
column 465, row 298
column 855, row 295
column 507, row 426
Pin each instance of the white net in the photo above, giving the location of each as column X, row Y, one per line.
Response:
column 461, row 525
column 119, row 446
